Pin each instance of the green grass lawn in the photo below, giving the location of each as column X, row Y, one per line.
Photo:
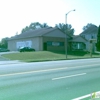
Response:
column 47, row 56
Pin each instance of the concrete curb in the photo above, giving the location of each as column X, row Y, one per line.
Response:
column 10, row 62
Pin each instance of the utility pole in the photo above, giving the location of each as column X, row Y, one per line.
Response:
column 66, row 33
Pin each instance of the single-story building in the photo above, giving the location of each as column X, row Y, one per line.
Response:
column 50, row 39
column 79, row 43
column 39, row 39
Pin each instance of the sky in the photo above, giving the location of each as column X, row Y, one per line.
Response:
column 16, row 14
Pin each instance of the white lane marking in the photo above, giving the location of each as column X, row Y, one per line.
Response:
column 68, row 76
column 54, row 69
column 80, row 98
column 36, row 71
column 86, row 96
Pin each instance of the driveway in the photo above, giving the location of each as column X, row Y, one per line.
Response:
column 4, row 60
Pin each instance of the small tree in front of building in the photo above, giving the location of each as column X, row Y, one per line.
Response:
column 4, row 43
column 98, row 40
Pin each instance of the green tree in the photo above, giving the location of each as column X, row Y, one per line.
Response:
column 44, row 25
column 33, row 26
column 4, row 43
column 88, row 26
column 98, row 39
column 25, row 29
column 66, row 28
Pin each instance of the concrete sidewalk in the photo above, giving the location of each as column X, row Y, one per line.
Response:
column 10, row 62
column 6, row 59
column 3, row 59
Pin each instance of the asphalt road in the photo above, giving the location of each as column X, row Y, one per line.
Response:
column 55, row 80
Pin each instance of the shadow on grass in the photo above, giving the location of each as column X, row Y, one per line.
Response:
column 72, row 53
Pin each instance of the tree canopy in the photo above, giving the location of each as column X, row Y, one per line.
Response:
column 87, row 26
column 4, row 43
column 33, row 26
column 66, row 28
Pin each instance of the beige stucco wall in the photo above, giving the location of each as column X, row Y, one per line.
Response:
column 36, row 43
column 11, row 45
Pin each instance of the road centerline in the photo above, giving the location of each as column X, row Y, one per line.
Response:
column 35, row 71
column 63, row 77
